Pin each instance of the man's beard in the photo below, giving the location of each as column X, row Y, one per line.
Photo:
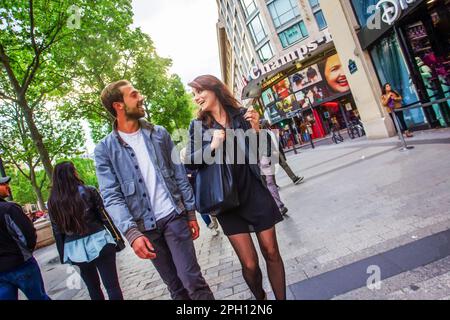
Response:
column 134, row 114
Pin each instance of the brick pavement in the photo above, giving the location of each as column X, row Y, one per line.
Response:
column 359, row 198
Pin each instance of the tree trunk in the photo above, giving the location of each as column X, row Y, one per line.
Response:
column 37, row 190
column 37, row 138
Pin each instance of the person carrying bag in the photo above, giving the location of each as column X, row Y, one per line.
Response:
column 85, row 234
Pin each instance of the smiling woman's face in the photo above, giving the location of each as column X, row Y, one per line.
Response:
column 334, row 73
column 205, row 99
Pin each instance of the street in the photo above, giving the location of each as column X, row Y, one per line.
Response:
column 365, row 209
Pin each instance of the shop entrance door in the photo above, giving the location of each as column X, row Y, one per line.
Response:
column 428, row 39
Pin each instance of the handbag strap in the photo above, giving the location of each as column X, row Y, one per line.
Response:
column 106, row 215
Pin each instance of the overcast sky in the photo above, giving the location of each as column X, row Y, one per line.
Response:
column 183, row 30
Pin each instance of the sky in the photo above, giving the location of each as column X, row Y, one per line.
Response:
column 183, row 30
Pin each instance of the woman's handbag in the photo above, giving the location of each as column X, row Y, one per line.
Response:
column 120, row 243
column 215, row 191
column 107, row 221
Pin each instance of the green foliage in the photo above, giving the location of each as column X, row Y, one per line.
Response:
column 23, row 192
column 52, row 72
column 86, row 170
column 21, row 188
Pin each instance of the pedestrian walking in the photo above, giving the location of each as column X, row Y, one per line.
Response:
column 83, row 231
column 147, row 193
column 252, row 210
column 268, row 168
column 283, row 164
column 19, row 270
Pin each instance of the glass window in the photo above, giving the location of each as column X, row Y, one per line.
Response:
column 364, row 9
column 249, row 7
column 320, row 19
column 265, row 53
column 314, row 4
column 391, row 68
column 293, row 34
column 283, row 11
column 257, row 30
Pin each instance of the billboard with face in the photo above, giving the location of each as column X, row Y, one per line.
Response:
column 319, row 82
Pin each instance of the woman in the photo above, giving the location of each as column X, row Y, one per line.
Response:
column 257, row 211
column 391, row 99
column 335, row 75
column 80, row 226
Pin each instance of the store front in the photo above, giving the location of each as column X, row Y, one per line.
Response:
column 317, row 92
column 307, row 84
column 409, row 44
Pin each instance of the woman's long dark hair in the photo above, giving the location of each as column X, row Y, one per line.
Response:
column 211, row 83
column 383, row 90
column 66, row 208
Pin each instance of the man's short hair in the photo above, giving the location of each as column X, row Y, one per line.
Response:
column 112, row 94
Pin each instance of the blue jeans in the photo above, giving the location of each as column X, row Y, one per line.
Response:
column 27, row 278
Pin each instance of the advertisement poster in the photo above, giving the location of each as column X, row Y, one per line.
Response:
column 268, row 97
column 305, row 78
column 282, row 88
column 311, row 91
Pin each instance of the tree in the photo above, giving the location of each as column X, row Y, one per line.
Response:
column 42, row 43
column 62, row 138
column 130, row 55
column 174, row 108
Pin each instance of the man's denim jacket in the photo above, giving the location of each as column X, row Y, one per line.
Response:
column 123, row 188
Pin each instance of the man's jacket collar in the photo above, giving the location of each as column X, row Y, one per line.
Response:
column 143, row 124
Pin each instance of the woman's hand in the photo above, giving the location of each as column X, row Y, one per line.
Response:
column 253, row 117
column 218, row 139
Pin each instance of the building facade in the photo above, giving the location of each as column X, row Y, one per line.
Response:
column 328, row 60
column 282, row 59
column 404, row 43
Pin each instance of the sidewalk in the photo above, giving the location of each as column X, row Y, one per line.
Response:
column 359, row 199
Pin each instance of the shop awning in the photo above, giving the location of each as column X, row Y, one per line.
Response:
column 253, row 88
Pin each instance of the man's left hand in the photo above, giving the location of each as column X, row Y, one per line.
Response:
column 194, row 228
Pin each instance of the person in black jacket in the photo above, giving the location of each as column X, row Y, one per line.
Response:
column 220, row 117
column 18, row 268
column 84, row 234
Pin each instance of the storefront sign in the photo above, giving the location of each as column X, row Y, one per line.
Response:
column 272, row 80
column 352, row 67
column 299, row 54
column 392, row 9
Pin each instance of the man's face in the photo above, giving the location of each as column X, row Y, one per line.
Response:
column 133, row 103
column 5, row 190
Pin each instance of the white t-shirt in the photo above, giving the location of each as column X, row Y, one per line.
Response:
column 159, row 198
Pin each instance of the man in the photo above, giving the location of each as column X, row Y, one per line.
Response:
column 283, row 164
column 148, row 195
column 282, row 159
column 18, row 268
column 268, row 169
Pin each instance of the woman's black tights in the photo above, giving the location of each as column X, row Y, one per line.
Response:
column 246, row 252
